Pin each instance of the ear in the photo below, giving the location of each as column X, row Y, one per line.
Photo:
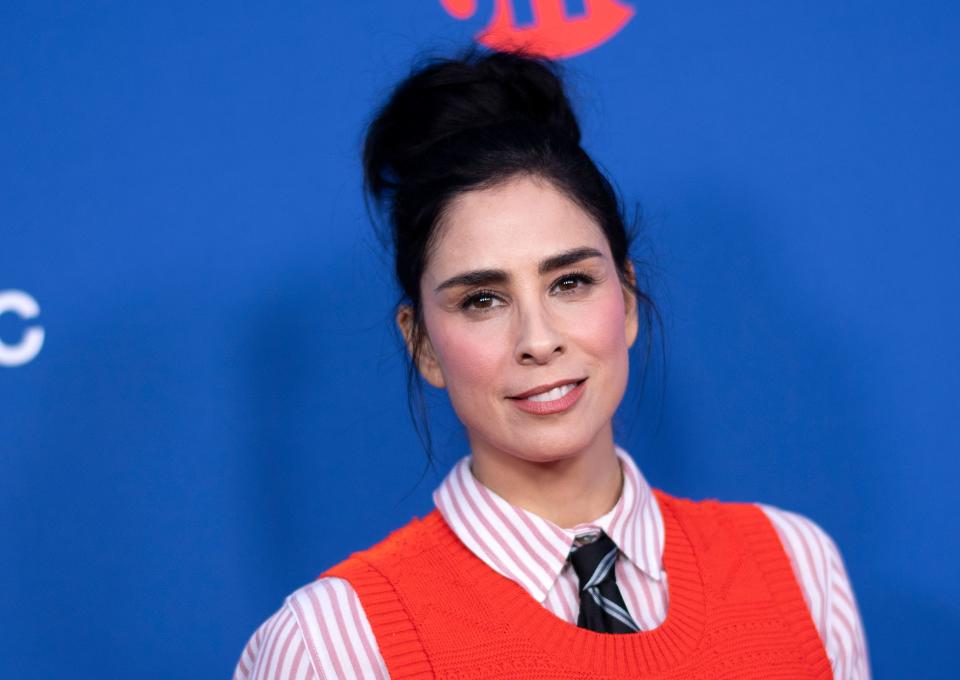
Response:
column 632, row 320
column 427, row 362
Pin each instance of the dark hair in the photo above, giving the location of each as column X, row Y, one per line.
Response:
column 472, row 122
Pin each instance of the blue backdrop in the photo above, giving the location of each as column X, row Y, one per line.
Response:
column 206, row 408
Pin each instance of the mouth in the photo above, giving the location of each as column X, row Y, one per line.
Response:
column 548, row 399
column 549, row 392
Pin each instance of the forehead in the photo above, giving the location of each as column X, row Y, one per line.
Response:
column 511, row 226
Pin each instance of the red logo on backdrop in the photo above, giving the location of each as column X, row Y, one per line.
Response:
column 554, row 32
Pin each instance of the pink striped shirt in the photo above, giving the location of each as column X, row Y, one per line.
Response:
column 321, row 632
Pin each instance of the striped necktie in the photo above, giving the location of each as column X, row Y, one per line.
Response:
column 602, row 608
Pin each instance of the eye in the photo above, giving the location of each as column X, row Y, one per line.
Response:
column 569, row 283
column 481, row 301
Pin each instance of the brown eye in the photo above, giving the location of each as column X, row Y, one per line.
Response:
column 482, row 301
column 571, row 282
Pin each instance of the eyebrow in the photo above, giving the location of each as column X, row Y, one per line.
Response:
column 484, row 277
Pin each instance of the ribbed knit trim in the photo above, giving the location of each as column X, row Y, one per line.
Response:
column 776, row 568
column 397, row 638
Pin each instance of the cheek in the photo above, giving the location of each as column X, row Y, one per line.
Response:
column 471, row 355
column 600, row 326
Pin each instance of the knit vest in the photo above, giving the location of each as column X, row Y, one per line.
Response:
column 735, row 609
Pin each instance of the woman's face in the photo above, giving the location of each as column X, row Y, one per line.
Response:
column 528, row 324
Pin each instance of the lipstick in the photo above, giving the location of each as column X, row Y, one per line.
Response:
column 550, row 399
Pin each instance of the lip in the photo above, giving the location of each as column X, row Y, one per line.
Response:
column 539, row 389
column 542, row 408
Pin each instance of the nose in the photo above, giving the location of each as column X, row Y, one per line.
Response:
column 538, row 338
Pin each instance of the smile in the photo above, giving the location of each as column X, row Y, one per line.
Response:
column 554, row 394
column 550, row 399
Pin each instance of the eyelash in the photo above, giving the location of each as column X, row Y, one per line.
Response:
column 581, row 277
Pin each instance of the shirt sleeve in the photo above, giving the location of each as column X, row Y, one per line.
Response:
column 321, row 632
column 826, row 588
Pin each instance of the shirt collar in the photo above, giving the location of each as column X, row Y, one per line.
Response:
column 531, row 550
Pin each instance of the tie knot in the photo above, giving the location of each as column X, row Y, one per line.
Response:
column 594, row 561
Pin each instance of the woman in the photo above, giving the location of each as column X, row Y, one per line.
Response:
column 548, row 555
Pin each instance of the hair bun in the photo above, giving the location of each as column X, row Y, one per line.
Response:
column 453, row 96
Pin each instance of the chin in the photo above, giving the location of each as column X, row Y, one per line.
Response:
column 547, row 447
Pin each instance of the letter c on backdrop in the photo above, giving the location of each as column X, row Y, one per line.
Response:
column 24, row 306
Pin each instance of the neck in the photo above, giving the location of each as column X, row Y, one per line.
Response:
column 567, row 491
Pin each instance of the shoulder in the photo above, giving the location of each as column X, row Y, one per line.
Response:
column 811, row 552
column 820, row 571
column 415, row 538
column 803, row 539
column 319, row 632
column 817, row 566
column 798, row 533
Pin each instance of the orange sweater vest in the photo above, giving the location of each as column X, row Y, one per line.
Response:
column 735, row 608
